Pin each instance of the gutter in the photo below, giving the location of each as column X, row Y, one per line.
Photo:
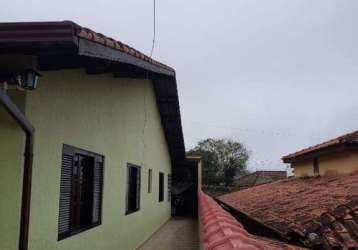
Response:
column 29, row 130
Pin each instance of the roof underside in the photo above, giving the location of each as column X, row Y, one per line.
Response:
column 66, row 45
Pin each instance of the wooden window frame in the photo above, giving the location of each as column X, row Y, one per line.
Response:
column 161, row 186
column 138, row 191
column 98, row 159
column 150, row 180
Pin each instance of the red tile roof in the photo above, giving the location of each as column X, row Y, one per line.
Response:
column 93, row 36
column 62, row 34
column 223, row 232
column 319, row 211
column 351, row 138
column 259, row 177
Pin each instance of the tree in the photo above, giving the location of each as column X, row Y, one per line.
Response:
column 222, row 160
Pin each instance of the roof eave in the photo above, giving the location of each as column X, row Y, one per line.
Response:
column 66, row 36
column 96, row 50
column 320, row 152
column 63, row 39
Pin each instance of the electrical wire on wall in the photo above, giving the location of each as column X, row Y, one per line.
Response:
column 154, row 27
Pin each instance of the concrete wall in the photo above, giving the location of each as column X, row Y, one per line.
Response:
column 336, row 163
column 303, row 168
column 343, row 162
column 12, row 145
column 117, row 118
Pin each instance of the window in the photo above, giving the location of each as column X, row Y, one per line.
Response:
column 80, row 191
column 133, row 189
column 315, row 166
column 169, row 187
column 161, row 187
column 150, row 181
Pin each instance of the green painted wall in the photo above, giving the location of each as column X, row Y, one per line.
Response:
column 117, row 118
column 12, row 144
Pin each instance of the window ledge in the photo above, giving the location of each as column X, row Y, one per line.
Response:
column 78, row 231
column 131, row 212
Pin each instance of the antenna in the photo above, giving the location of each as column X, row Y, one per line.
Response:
column 154, row 27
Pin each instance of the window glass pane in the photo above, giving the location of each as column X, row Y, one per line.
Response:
column 82, row 191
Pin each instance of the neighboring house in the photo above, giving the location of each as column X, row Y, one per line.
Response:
column 320, row 213
column 105, row 133
column 258, row 178
column 339, row 155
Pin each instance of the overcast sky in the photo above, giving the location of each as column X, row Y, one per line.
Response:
column 277, row 75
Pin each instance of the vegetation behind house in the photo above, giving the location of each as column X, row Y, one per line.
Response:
column 222, row 160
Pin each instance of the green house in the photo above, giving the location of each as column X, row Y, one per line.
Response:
column 88, row 150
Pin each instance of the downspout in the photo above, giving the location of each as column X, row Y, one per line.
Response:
column 29, row 130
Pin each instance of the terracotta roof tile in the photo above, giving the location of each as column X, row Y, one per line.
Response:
column 259, row 177
column 38, row 35
column 93, row 36
column 222, row 232
column 351, row 138
column 321, row 210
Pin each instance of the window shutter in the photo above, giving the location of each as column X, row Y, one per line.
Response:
column 161, row 187
column 150, row 181
column 133, row 188
column 127, row 188
column 97, row 190
column 64, row 223
column 138, row 188
column 169, row 187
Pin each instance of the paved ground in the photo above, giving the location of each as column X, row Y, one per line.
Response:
column 176, row 234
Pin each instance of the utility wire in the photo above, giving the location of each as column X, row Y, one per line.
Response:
column 154, row 27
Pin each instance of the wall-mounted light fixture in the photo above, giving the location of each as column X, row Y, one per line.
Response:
column 27, row 79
